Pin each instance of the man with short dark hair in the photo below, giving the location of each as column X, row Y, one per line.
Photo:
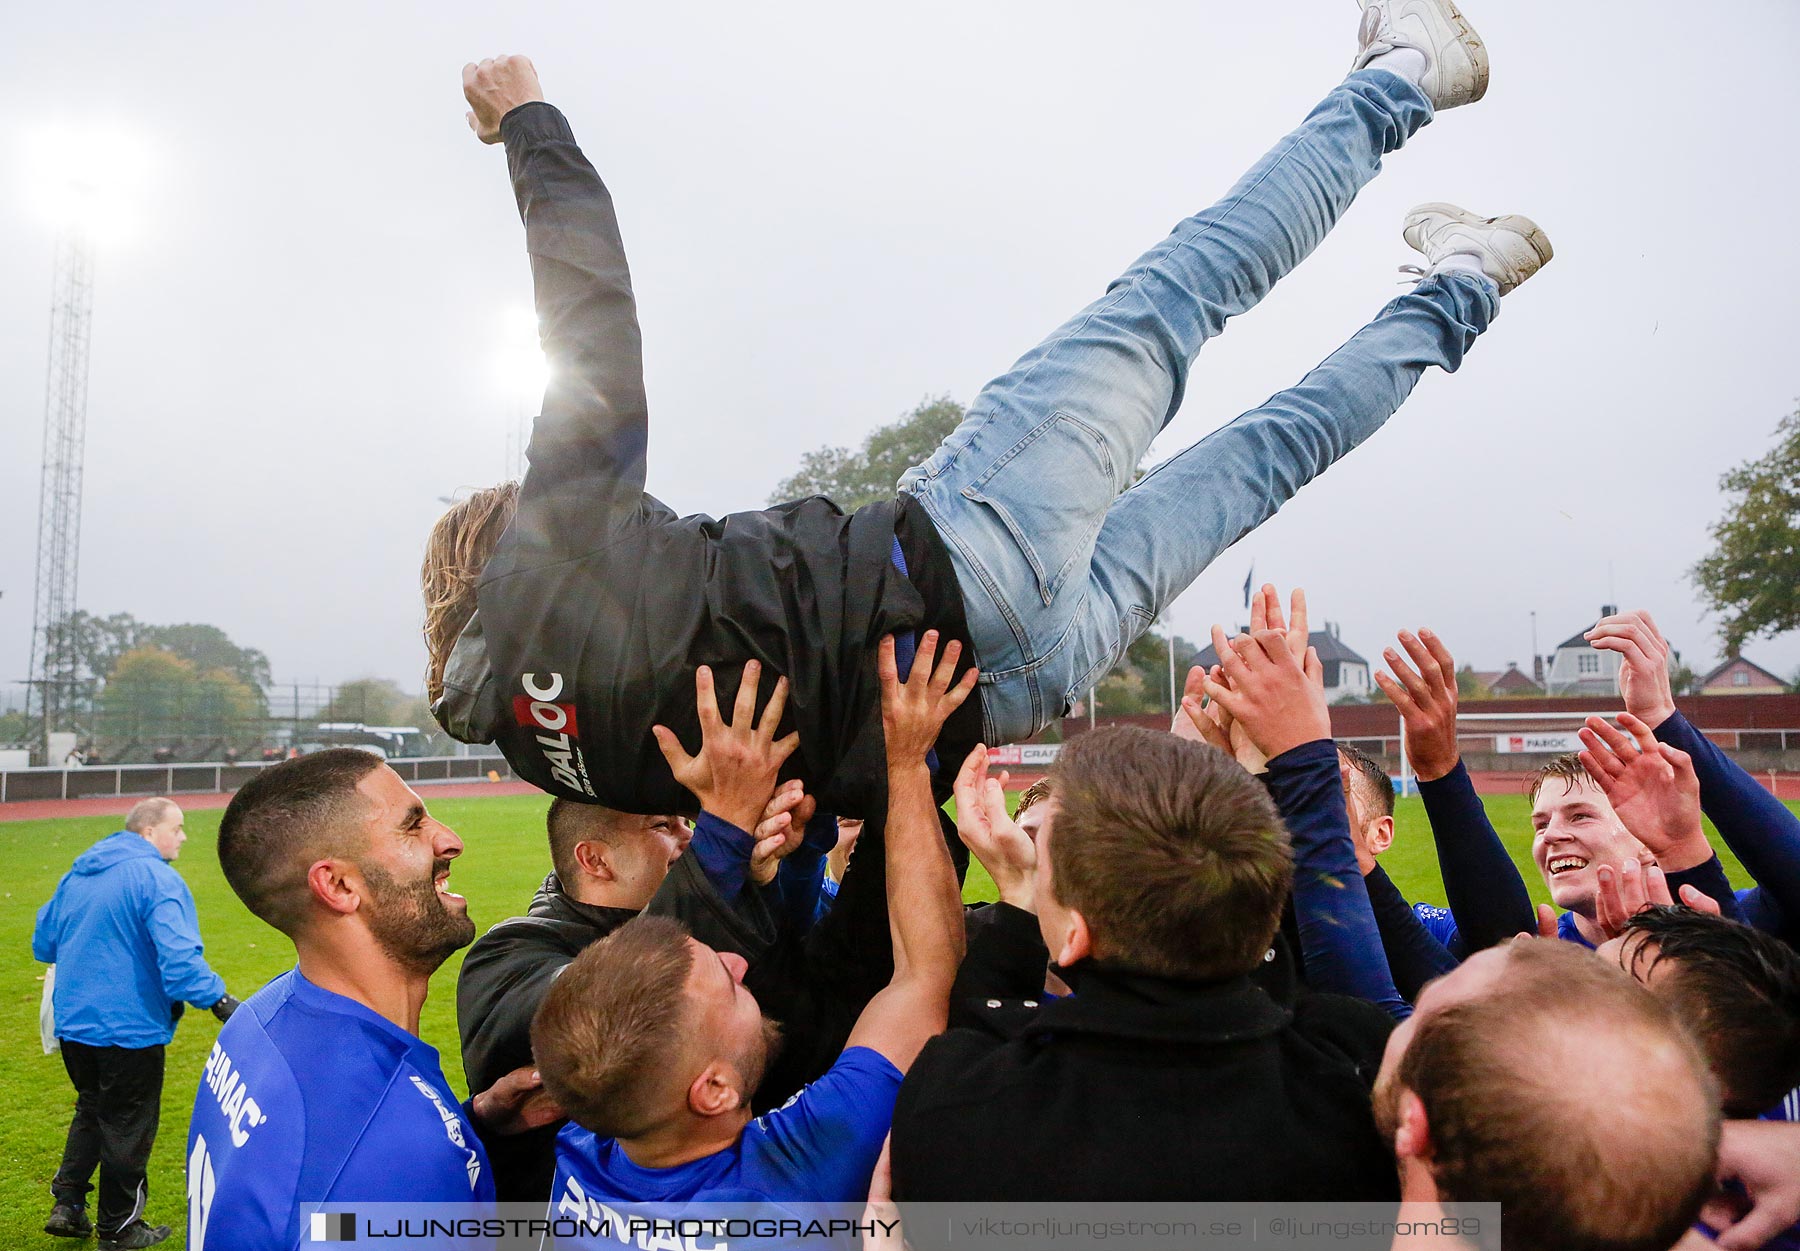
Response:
column 1369, row 797
column 651, row 1042
column 320, row 1089
column 606, row 867
column 610, row 866
column 1736, row 988
column 123, row 933
column 1488, row 1094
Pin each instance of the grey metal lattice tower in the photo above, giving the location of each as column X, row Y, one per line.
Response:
column 54, row 659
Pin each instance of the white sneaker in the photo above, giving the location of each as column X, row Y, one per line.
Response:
column 1509, row 249
column 1456, row 61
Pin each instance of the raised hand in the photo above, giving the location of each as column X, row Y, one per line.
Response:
column 914, row 711
column 991, row 835
column 1651, row 787
column 1546, row 922
column 1426, row 698
column 1209, row 723
column 1277, row 698
column 734, row 774
column 1194, row 720
column 1627, row 891
column 1764, row 1156
column 1644, row 675
column 1265, row 614
column 496, row 87
column 781, row 830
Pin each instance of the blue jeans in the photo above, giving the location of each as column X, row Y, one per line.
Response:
column 1062, row 560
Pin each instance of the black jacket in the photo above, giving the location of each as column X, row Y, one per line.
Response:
column 1138, row 1088
column 503, row 980
column 600, row 602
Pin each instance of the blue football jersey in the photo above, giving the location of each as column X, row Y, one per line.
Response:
column 309, row 1097
column 818, row 1148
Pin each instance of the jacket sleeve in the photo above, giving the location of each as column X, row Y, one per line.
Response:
column 588, row 446
column 175, row 932
column 1759, row 829
column 1414, row 957
column 1486, row 894
column 45, row 933
column 1710, row 880
column 1340, row 942
column 746, row 924
column 723, row 853
column 499, row 989
column 1006, row 959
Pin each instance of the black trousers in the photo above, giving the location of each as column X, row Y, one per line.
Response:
column 118, row 1098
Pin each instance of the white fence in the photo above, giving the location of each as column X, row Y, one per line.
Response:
column 102, row 781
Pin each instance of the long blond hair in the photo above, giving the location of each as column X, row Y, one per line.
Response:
column 455, row 554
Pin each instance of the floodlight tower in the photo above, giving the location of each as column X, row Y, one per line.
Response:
column 54, row 658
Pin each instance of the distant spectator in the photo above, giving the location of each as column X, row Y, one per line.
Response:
column 123, row 929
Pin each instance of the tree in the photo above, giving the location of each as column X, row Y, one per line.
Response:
column 1751, row 581
column 1139, row 683
column 100, row 642
column 154, row 697
column 1683, row 680
column 209, row 647
column 1468, row 685
column 374, row 701
column 851, row 478
column 14, row 728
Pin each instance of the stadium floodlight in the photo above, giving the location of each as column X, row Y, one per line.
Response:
column 84, row 178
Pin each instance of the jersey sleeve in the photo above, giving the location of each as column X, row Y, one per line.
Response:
column 1414, row 954
column 1440, row 923
column 1340, row 941
column 1481, row 881
column 822, row 1144
column 1758, row 827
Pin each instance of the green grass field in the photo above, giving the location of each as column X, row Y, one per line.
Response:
column 504, row 862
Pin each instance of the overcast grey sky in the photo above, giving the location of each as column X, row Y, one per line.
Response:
column 834, row 210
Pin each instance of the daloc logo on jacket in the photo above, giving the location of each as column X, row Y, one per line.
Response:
column 557, row 732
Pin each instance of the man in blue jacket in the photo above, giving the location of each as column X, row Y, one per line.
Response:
column 122, row 926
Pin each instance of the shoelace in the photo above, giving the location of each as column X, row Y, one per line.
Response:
column 1415, row 274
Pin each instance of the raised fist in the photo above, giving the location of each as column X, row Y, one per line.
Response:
column 496, row 87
